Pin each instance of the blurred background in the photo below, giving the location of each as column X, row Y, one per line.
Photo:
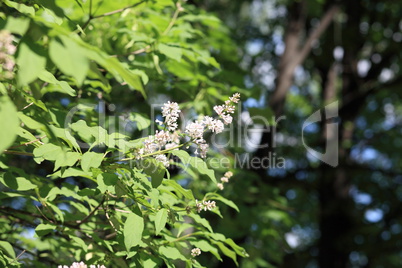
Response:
column 288, row 59
column 296, row 57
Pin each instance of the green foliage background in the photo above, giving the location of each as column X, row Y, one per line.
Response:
column 86, row 75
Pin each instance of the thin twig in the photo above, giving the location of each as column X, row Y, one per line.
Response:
column 27, row 106
column 92, row 212
column 18, row 153
column 91, row 17
column 154, row 153
column 19, row 255
column 118, row 10
column 50, row 212
column 30, row 142
column 139, row 51
column 179, row 9
column 40, row 211
column 108, row 218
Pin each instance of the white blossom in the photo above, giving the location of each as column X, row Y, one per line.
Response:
column 224, row 179
column 235, row 98
column 81, row 265
column 220, row 186
column 162, row 137
column 219, row 109
column 195, row 130
column 204, row 205
column 150, row 146
column 208, row 205
column 198, row 205
column 7, row 50
column 204, row 149
column 227, row 119
column 195, row 252
column 228, row 174
column 215, row 125
column 225, row 110
column 163, row 159
column 171, row 111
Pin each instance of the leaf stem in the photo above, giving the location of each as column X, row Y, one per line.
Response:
column 155, row 153
column 179, row 9
column 119, row 10
column 91, row 17
column 18, row 153
column 29, row 142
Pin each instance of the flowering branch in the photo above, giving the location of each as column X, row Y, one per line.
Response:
column 168, row 139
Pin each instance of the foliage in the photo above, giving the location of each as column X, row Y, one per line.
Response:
column 75, row 184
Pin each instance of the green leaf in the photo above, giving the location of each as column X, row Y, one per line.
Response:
column 9, row 123
column 17, row 25
column 133, row 80
column 21, row 7
column 29, row 122
column 44, row 229
column 196, row 163
column 154, row 169
column 91, row 160
column 133, row 228
column 171, row 253
column 239, row 250
column 47, row 151
column 79, row 242
column 179, row 189
column 66, row 159
column 115, row 67
column 171, row 51
column 107, row 182
column 160, row 220
column 231, row 254
column 30, row 60
column 16, row 183
column 218, row 197
column 56, row 85
column 69, row 57
column 142, row 121
column 206, row 247
column 72, row 172
column 5, row 246
column 201, row 221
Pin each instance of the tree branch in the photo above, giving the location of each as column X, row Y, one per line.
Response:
column 317, row 32
column 119, row 10
column 92, row 212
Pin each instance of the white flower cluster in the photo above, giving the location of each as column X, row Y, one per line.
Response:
column 195, row 252
column 7, row 49
column 195, row 130
column 168, row 139
column 225, row 110
column 224, row 179
column 81, row 265
column 171, row 111
column 161, row 140
column 204, row 205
